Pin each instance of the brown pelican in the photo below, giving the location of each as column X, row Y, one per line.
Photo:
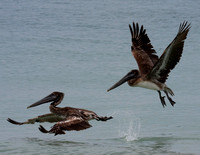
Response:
column 153, row 71
column 67, row 118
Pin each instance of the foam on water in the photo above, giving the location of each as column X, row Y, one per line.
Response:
column 130, row 132
column 128, row 125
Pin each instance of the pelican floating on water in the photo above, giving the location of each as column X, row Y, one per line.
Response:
column 67, row 118
column 153, row 71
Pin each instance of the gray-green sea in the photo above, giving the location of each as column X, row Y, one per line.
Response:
column 82, row 48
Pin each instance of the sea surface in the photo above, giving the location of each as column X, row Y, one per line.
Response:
column 81, row 48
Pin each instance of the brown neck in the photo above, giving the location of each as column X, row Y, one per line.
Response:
column 54, row 109
column 132, row 82
column 58, row 100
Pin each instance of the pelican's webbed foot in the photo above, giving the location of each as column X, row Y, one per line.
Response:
column 162, row 99
column 104, row 118
column 169, row 98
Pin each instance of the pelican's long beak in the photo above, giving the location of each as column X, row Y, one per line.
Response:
column 47, row 99
column 123, row 80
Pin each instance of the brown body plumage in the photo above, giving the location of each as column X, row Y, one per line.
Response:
column 153, row 71
column 66, row 118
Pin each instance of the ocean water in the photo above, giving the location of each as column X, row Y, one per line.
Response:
column 82, row 48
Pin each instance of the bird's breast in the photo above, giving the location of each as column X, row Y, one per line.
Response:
column 148, row 85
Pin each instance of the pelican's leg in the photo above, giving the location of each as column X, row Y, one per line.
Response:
column 170, row 100
column 162, row 99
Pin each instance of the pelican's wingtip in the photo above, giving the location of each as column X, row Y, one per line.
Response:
column 14, row 122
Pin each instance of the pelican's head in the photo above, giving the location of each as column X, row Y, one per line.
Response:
column 55, row 98
column 133, row 74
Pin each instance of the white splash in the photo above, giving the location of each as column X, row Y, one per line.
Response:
column 129, row 125
column 131, row 130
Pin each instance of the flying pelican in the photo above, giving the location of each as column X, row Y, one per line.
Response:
column 67, row 118
column 153, row 71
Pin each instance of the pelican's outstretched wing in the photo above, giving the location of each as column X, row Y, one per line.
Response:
column 171, row 55
column 142, row 49
column 42, row 118
column 71, row 123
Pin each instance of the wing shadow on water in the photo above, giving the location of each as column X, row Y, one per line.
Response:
column 144, row 145
column 53, row 142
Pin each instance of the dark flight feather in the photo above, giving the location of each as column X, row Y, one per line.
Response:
column 170, row 56
column 142, row 49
